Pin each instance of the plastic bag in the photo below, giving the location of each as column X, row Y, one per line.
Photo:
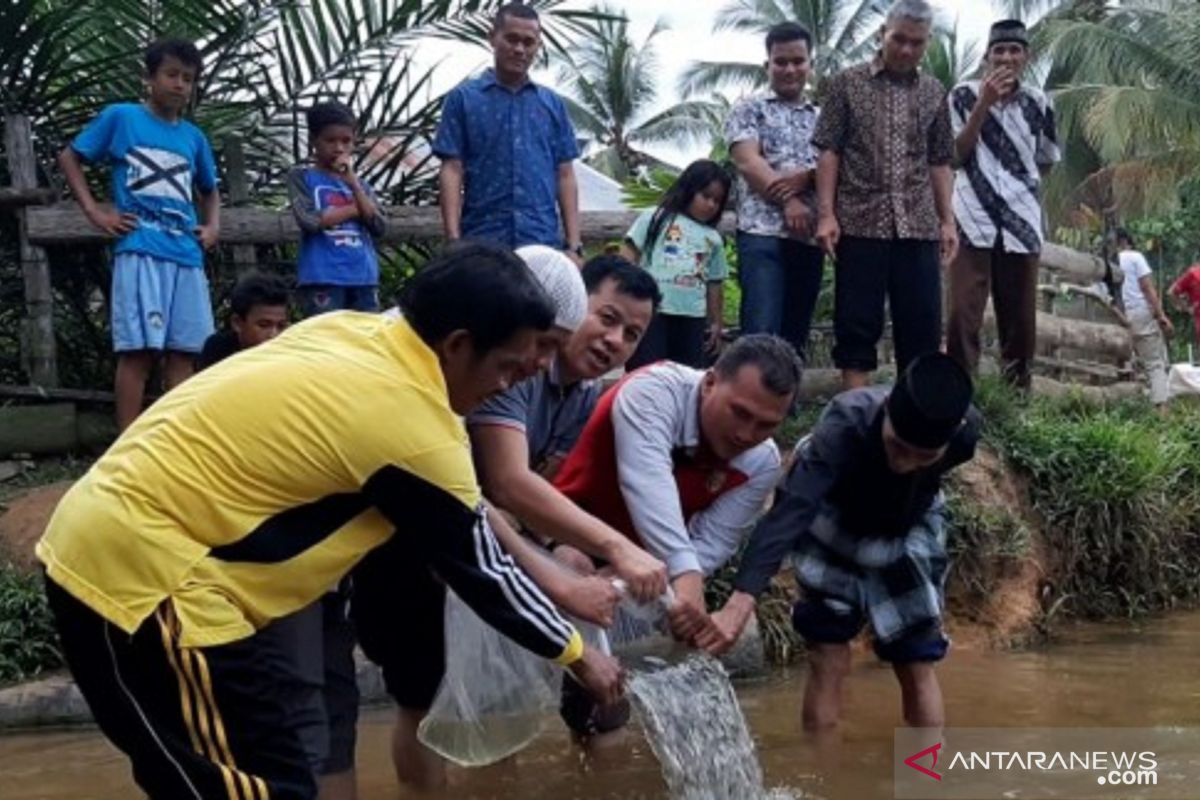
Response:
column 495, row 696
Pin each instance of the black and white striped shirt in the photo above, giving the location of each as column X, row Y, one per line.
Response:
column 997, row 190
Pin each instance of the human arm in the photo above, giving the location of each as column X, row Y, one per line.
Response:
column 587, row 597
column 568, row 204
column 940, row 151
column 967, row 131
column 365, row 201
column 209, row 230
column 630, row 252
column 828, row 230
column 105, row 218
column 1146, row 284
column 644, row 419
column 501, row 454
column 309, row 218
column 450, row 198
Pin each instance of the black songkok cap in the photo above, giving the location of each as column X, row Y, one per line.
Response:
column 928, row 402
column 1008, row 30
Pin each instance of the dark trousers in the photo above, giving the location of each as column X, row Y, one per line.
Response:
column 1011, row 280
column 674, row 338
column 904, row 272
column 197, row 723
column 780, row 280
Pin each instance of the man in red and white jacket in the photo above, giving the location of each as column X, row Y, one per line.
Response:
column 681, row 461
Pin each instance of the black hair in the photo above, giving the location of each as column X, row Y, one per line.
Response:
column 1122, row 235
column 330, row 112
column 181, row 49
column 786, row 32
column 696, row 178
column 484, row 289
column 631, row 280
column 257, row 289
column 515, row 10
column 776, row 360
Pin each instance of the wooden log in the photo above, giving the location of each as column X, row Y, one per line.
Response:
column 39, row 355
column 14, row 197
column 239, row 196
column 1106, row 341
column 1097, row 395
column 47, row 393
column 1073, row 265
column 38, row 430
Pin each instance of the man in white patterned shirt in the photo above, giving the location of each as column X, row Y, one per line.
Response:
column 1005, row 141
column 770, row 141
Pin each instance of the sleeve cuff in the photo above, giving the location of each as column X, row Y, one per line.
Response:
column 573, row 651
column 679, row 563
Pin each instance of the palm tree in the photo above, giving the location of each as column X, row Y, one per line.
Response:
column 843, row 34
column 950, row 59
column 610, row 83
column 1127, row 85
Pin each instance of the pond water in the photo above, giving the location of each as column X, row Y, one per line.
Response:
column 1096, row 675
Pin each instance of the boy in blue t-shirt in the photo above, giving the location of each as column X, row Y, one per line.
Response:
column 339, row 219
column 160, row 300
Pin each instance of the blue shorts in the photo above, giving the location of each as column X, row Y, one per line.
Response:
column 159, row 305
column 820, row 619
column 319, row 298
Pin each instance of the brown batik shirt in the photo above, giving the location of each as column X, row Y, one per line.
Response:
column 889, row 130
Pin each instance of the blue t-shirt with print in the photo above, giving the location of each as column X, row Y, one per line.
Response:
column 155, row 165
column 343, row 255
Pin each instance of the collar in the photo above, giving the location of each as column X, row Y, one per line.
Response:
column 488, row 80
column 805, row 102
column 412, row 352
column 877, row 69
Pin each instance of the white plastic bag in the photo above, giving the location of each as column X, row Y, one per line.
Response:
column 495, row 695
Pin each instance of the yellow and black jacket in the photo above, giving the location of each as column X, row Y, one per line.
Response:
column 246, row 492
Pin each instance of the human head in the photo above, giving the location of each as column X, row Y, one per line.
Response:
column 1124, row 238
column 560, row 280
column 748, row 393
column 331, row 132
column 1008, row 46
column 924, row 410
column 789, row 59
column 700, row 192
column 516, row 38
column 259, row 306
column 172, row 67
column 906, row 33
column 622, row 299
column 479, row 308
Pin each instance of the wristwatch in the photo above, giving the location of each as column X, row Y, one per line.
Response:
column 576, row 249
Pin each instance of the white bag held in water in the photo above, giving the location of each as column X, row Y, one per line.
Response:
column 495, row 695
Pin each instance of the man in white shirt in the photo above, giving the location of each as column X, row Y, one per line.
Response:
column 1147, row 321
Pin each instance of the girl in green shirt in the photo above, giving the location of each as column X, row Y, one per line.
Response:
column 679, row 245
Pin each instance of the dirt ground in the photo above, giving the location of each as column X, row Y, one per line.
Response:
column 21, row 525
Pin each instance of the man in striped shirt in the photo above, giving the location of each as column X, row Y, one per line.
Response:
column 1005, row 141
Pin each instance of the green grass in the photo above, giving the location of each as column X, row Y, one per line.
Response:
column 28, row 643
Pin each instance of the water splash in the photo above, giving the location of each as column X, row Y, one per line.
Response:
column 696, row 729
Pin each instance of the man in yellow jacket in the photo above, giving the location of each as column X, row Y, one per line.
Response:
column 245, row 493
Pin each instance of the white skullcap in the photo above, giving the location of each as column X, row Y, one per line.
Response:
column 559, row 276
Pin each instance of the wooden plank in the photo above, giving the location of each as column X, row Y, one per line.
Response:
column 239, row 196
column 49, row 393
column 39, row 355
column 63, row 224
column 13, row 197
column 38, row 430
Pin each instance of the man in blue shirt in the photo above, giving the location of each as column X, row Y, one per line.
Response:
column 506, row 146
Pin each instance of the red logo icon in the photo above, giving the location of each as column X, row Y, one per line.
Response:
column 932, row 750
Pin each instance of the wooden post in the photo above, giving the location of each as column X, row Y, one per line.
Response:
column 239, row 195
column 38, row 349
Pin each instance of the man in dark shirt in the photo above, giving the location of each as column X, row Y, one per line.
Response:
column 861, row 514
column 884, row 185
column 259, row 312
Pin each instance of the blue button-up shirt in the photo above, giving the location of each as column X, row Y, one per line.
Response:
column 511, row 144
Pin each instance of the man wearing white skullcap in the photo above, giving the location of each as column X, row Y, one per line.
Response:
column 559, row 276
